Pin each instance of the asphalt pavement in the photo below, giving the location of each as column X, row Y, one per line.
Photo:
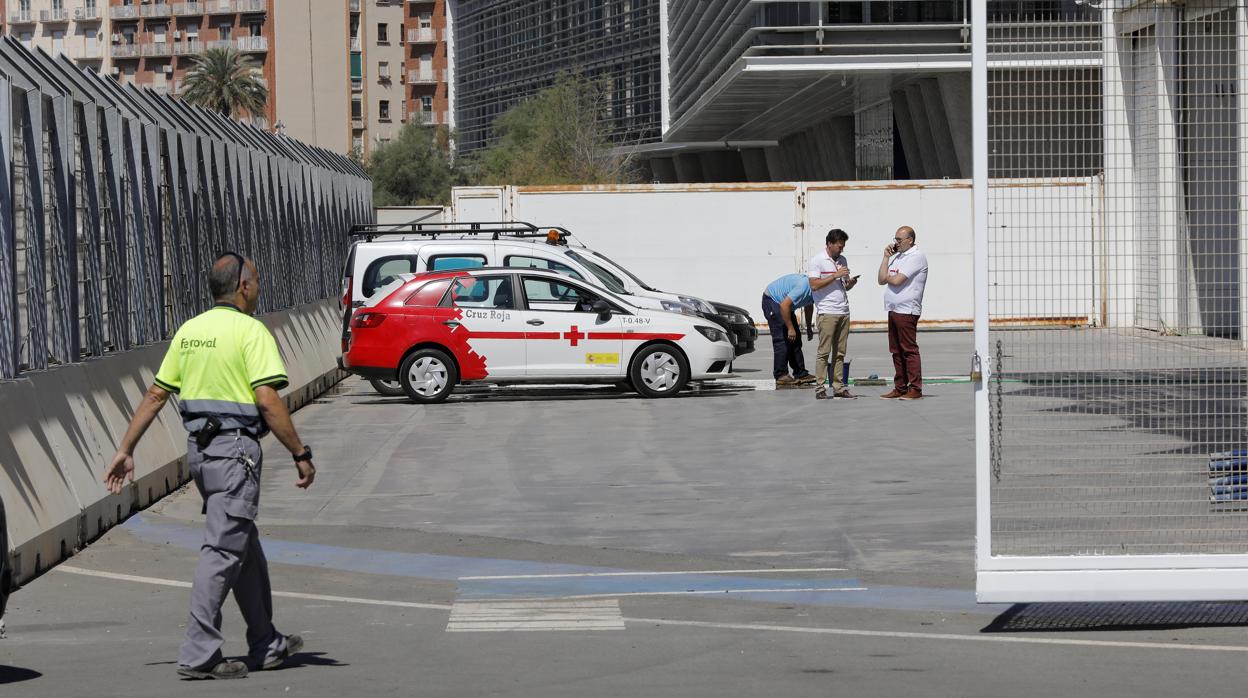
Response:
column 736, row 540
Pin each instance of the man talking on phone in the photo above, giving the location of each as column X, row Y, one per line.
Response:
column 904, row 271
column 832, row 308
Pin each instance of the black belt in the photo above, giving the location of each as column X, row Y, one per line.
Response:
column 213, row 429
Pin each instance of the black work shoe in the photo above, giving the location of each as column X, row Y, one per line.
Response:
column 224, row 669
column 294, row 643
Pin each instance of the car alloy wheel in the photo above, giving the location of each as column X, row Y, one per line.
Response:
column 428, row 375
column 660, row 371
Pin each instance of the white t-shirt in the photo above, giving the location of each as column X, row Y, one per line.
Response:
column 831, row 299
column 908, row 297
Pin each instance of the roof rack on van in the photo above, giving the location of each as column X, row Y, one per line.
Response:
column 433, row 230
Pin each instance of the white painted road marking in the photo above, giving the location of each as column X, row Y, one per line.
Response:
column 538, row 615
column 941, row 636
column 850, row 632
column 283, row 594
column 657, row 574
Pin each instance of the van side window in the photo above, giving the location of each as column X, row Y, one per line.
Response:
column 451, row 262
column 526, row 262
column 384, row 270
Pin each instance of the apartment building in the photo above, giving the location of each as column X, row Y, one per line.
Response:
column 152, row 42
column 427, row 55
column 352, row 72
column 76, row 28
column 342, row 74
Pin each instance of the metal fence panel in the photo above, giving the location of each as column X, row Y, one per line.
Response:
column 1118, row 447
column 114, row 201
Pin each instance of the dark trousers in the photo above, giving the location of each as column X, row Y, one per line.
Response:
column 784, row 352
column 904, row 346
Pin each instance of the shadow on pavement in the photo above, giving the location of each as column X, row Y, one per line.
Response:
column 1076, row 617
column 13, row 674
column 552, row 393
column 303, row 659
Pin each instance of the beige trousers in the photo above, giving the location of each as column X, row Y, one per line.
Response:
column 833, row 334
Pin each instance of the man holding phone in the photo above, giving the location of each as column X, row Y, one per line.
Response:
column 832, row 307
column 904, row 271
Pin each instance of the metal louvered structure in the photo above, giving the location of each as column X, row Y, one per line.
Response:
column 114, row 201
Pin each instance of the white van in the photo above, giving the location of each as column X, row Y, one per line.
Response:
column 380, row 254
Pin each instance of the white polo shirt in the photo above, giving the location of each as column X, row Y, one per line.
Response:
column 907, row 298
column 831, row 299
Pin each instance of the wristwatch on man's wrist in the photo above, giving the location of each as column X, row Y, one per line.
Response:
column 305, row 456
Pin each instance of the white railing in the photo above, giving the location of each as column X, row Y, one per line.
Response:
column 440, row 117
column 123, row 12
column 355, row 44
column 124, row 51
column 54, row 15
column 188, row 8
column 424, row 35
column 21, row 17
column 221, row 43
column 251, row 6
column 219, row 7
column 188, row 48
column 157, row 48
column 355, row 5
column 253, row 44
column 87, row 13
column 424, row 75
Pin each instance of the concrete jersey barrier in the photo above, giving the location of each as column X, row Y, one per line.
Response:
column 62, row 425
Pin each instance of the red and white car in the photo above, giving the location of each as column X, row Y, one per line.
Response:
column 509, row 325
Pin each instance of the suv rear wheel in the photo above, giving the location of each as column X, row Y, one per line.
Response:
column 659, row 370
column 387, row 388
column 428, row 376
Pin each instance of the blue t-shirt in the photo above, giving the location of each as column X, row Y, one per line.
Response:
column 795, row 286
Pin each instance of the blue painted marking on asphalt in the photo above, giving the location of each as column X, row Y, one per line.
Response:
column 452, row 568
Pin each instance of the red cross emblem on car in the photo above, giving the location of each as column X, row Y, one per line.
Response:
column 574, row 335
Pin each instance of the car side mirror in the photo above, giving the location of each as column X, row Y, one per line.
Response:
column 603, row 309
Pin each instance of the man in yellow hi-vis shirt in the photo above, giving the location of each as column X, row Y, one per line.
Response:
column 226, row 368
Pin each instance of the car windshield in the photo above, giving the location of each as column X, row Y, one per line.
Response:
column 611, row 281
column 624, row 269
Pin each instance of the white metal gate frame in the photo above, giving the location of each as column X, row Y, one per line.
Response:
column 1020, row 579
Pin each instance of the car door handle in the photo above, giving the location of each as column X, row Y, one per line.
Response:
column 450, row 323
column 536, row 322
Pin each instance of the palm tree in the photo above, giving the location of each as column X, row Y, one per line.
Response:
column 226, row 81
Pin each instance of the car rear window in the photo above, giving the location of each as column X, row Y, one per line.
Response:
column 430, row 295
column 451, row 262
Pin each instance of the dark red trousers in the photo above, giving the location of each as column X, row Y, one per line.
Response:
column 904, row 346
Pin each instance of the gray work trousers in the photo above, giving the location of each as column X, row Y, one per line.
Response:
column 227, row 474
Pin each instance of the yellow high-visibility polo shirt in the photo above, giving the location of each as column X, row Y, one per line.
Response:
column 216, row 361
